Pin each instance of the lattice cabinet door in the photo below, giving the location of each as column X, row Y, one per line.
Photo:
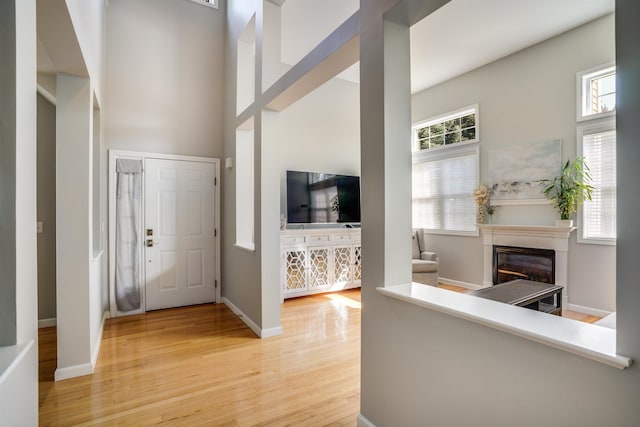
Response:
column 296, row 270
column 342, row 265
column 357, row 263
column 319, row 276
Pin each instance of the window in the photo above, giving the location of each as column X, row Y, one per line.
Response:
column 443, row 183
column 597, row 143
column 451, row 128
column 597, row 92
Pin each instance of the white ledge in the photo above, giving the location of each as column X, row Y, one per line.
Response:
column 529, row 229
column 582, row 339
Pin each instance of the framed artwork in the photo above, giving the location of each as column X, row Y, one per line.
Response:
column 517, row 173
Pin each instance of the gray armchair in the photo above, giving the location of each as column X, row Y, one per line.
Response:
column 424, row 264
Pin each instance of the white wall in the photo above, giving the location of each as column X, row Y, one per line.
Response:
column 165, row 77
column 526, row 97
column 19, row 383
column 321, row 133
column 89, row 24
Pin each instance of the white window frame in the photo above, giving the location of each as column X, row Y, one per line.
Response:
column 599, row 126
column 442, row 118
column 446, row 152
column 582, row 91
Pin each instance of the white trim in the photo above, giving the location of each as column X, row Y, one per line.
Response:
column 46, row 323
column 73, row 371
column 85, row 368
column 115, row 154
column 475, row 233
column 46, row 95
column 363, row 422
column 588, row 310
column 521, row 202
column 96, row 350
column 582, row 339
column 467, row 285
column 474, row 108
column 271, row 332
column 11, row 356
column 444, row 152
column 249, row 247
column 261, row 333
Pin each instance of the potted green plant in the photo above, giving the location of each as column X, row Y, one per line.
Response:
column 570, row 189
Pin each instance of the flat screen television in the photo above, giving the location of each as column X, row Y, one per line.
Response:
column 322, row 198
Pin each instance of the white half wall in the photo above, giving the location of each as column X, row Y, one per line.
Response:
column 527, row 97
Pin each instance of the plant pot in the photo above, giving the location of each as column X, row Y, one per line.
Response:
column 564, row 223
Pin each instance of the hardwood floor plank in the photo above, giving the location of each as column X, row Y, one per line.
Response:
column 202, row 366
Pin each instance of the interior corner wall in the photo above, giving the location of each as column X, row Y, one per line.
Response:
column 165, row 77
column 46, row 194
column 526, row 97
column 321, row 133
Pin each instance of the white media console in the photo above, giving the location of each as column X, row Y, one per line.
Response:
column 319, row 260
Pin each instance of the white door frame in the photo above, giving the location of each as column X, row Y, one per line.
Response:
column 117, row 154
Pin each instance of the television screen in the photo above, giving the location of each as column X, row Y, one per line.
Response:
column 322, row 198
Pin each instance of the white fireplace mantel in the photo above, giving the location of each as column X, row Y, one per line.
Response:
column 528, row 236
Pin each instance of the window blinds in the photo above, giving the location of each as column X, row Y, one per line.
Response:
column 599, row 214
column 442, row 192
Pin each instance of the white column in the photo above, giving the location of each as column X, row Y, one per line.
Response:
column 74, row 116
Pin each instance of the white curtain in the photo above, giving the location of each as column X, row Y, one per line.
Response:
column 128, row 236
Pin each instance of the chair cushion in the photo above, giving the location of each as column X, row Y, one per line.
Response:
column 423, row 266
column 429, row 256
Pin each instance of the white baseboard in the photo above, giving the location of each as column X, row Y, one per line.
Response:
column 271, row 332
column 85, row 368
column 46, row 323
column 588, row 310
column 73, row 371
column 96, row 351
column 459, row 283
column 262, row 333
column 363, row 422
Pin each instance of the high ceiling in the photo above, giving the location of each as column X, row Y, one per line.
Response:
column 466, row 34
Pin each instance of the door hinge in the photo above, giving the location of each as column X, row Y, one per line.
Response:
column 215, row 181
column 216, row 283
column 215, row 232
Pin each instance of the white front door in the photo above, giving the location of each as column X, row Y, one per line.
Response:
column 179, row 233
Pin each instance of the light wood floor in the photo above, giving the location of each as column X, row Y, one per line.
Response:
column 202, row 366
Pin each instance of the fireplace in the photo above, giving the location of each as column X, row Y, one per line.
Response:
column 555, row 239
column 511, row 263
